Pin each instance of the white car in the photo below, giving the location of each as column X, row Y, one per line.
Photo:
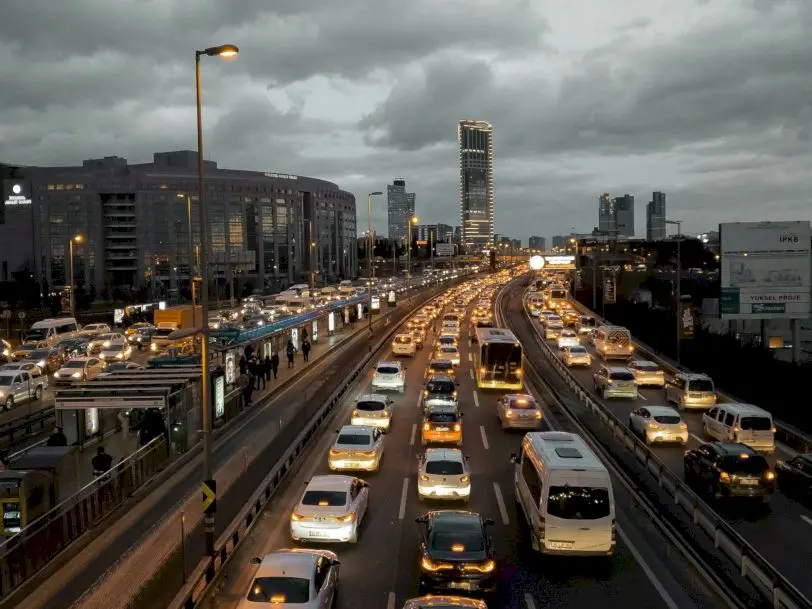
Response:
column 105, row 340
column 79, row 369
column 552, row 330
column 443, row 473
column 647, row 374
column 518, row 411
column 449, row 352
column 294, row 577
column 373, row 409
column 568, row 338
column 331, row 509
column 576, row 356
column 658, row 424
column 357, row 448
column 95, row 329
column 119, row 351
column 389, row 375
column 404, row 344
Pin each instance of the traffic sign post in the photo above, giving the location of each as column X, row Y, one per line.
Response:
column 209, row 488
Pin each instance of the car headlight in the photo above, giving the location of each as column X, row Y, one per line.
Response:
column 119, row 355
column 77, row 375
column 296, row 517
column 101, row 355
column 41, row 363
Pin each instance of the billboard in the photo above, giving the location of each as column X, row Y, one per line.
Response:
column 444, row 249
column 765, row 270
column 558, row 263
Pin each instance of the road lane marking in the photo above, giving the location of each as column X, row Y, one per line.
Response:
column 528, row 600
column 402, row 511
column 642, row 397
column 806, row 519
column 484, row 437
column 390, row 602
column 500, row 501
column 414, row 433
column 658, row 585
column 697, row 438
column 476, row 399
column 471, row 372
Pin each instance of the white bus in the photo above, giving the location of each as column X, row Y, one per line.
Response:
column 329, row 293
column 565, row 494
column 52, row 330
column 292, row 303
column 301, row 289
column 498, row 359
column 346, row 289
column 614, row 342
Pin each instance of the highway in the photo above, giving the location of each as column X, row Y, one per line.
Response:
column 783, row 535
column 381, row 571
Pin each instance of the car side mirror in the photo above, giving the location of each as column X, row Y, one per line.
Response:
column 488, row 522
column 335, row 563
column 514, row 458
column 256, row 560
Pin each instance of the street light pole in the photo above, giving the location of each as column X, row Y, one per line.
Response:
column 412, row 220
column 310, row 259
column 678, row 286
column 78, row 239
column 370, row 250
column 225, row 51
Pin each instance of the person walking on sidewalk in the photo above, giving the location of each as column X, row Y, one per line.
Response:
column 259, row 373
column 243, row 365
column 275, row 364
column 266, row 367
column 290, row 350
column 102, row 462
column 306, row 350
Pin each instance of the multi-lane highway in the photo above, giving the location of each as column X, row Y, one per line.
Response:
column 783, row 535
column 381, row 570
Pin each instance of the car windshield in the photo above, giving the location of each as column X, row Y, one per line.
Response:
column 116, row 347
column 163, row 332
column 36, row 335
column 440, row 387
column 280, row 589
column 700, row 385
column 441, row 366
column 370, row 406
column 521, row 404
column 579, row 350
column 27, row 348
column 621, row 376
column 441, row 417
column 470, row 541
column 667, row 419
column 74, row 364
column 588, row 322
column 756, row 423
column 750, row 464
column 444, row 468
column 578, row 502
column 448, row 349
column 403, row 340
column 387, row 370
column 354, row 439
column 447, row 340
column 647, row 367
column 5, row 380
column 325, row 498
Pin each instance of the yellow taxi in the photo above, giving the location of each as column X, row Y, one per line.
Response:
column 442, row 424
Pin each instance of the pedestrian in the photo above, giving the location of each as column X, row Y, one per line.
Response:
column 124, row 420
column 259, row 377
column 243, row 365
column 290, row 351
column 306, row 350
column 304, row 334
column 248, row 390
column 266, row 365
column 275, row 364
column 57, row 438
column 102, row 462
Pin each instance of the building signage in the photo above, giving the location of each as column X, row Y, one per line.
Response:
column 687, row 321
column 281, row 176
column 444, row 249
column 765, row 270
column 559, row 263
column 16, row 192
column 219, row 396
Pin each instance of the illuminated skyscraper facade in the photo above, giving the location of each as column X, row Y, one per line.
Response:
column 476, row 184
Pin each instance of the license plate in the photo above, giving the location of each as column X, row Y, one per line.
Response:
column 460, row 585
column 318, row 534
column 441, row 429
column 749, row 482
column 559, row 545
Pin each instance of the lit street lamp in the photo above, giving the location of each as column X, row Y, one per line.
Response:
column 79, row 238
column 370, row 252
column 226, row 51
column 412, row 220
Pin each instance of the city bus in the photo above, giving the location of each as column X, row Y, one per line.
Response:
column 498, row 359
column 557, row 297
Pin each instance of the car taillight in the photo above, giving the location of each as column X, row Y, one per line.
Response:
column 542, row 530
column 457, row 427
column 614, row 530
column 426, row 427
column 424, row 477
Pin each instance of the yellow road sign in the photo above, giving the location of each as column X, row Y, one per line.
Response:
column 209, row 489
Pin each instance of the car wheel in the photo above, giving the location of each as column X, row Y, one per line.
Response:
column 9, row 403
column 38, row 392
column 354, row 537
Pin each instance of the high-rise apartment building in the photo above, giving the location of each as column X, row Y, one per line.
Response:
column 607, row 222
column 537, row 243
column 560, row 241
column 440, row 233
column 616, row 216
column 475, row 140
column 400, row 205
column 655, row 217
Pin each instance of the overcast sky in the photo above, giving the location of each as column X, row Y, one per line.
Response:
column 708, row 100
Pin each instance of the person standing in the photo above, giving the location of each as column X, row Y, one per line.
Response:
column 266, row 367
column 243, row 365
column 275, row 364
column 290, row 351
column 306, row 350
column 57, row 438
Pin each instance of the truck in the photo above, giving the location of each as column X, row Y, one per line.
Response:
column 18, row 386
column 180, row 317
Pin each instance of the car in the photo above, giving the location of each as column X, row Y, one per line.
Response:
column 658, row 424
column 119, row 366
column 17, row 386
column 120, row 351
column 21, row 352
column 456, row 552
column 30, row 367
column 518, row 411
column 647, row 374
column 448, row 352
column 77, row 346
column 443, row 473
column 330, row 509
column 373, row 409
column 442, row 424
column 568, row 338
column 389, row 375
column 570, row 318
column 447, row 339
column 356, row 448
column 552, row 329
column 615, row 382
column 433, row 601
column 729, row 469
column 294, row 577
column 419, row 337
column 137, row 327
column 92, row 329
column 586, row 325
column 404, row 345
column 79, row 369
column 47, row 360
column 440, row 390
column 102, row 341
column 794, row 477
column 576, row 356
column 141, row 338
column 441, row 367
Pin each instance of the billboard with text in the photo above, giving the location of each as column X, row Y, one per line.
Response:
column 444, row 249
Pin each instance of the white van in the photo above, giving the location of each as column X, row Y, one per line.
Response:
column 52, row 330
column 613, row 342
column 566, row 495
column 745, row 423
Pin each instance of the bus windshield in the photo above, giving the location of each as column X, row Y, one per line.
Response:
column 501, row 359
column 558, row 294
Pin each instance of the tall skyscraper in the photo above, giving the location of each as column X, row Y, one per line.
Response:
column 607, row 222
column 476, row 183
column 400, row 205
column 560, row 241
column 537, row 243
column 655, row 217
column 616, row 216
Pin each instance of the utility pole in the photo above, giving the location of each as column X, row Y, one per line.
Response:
column 678, row 285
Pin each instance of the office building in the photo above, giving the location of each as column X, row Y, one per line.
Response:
column 607, row 221
column 537, row 243
column 655, row 217
column 457, row 235
column 475, row 140
column 400, row 205
column 440, row 233
column 560, row 242
column 136, row 228
column 616, row 215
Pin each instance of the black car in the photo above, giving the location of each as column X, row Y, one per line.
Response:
column 142, row 337
column 795, row 476
column 439, row 389
column 729, row 469
column 74, row 347
column 456, row 554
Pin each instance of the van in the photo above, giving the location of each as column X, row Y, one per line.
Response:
column 613, row 342
column 565, row 494
column 689, row 390
column 745, row 423
column 52, row 330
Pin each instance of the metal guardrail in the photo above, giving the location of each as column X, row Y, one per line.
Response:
column 786, row 433
column 24, row 554
column 25, row 426
column 750, row 564
column 204, row 577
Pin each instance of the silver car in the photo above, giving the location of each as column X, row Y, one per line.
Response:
column 443, row 473
column 615, row 382
column 518, row 411
column 444, row 602
column 305, row 579
column 647, row 374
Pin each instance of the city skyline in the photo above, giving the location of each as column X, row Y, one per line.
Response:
column 359, row 110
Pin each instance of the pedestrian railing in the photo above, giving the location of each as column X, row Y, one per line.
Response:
column 27, row 552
